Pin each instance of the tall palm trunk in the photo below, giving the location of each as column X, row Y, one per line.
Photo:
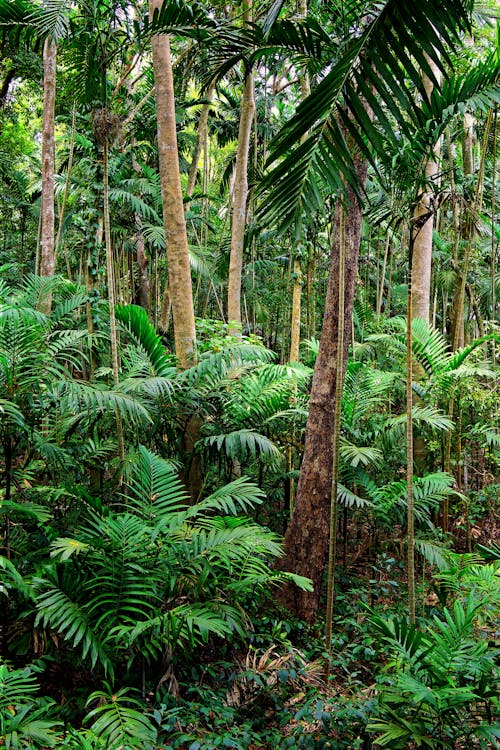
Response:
column 305, row 90
column 410, row 512
column 240, row 191
column 296, row 310
column 47, row 258
column 424, row 217
column 307, row 537
column 179, row 272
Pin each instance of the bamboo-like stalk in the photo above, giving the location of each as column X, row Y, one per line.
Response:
column 240, row 191
column 332, row 546
column 409, row 445
column 493, row 238
column 384, row 266
column 115, row 362
column 476, row 207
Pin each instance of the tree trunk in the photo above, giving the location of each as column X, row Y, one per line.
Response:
column 142, row 293
column 180, row 286
column 47, row 258
column 422, row 249
column 141, row 290
column 200, row 142
column 296, row 307
column 306, row 540
column 240, row 194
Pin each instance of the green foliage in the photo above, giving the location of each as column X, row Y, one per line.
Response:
column 116, row 719
column 442, row 687
column 159, row 574
column 25, row 719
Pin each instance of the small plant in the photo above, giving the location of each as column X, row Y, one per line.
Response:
column 26, row 721
column 117, row 720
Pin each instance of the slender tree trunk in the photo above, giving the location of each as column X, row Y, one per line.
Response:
column 307, row 537
column 410, row 512
column 380, row 297
column 142, row 291
column 296, row 306
column 179, row 272
column 200, row 142
column 113, row 332
column 337, row 417
column 305, row 90
column 65, row 196
column 424, row 218
column 47, row 256
column 240, row 192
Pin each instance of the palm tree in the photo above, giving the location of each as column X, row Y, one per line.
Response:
column 357, row 109
column 179, row 284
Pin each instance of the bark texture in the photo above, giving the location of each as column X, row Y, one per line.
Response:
column 422, row 248
column 240, row 197
column 47, row 257
column 179, row 272
column 296, row 308
column 306, row 540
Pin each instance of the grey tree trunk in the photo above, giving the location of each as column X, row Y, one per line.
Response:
column 422, row 249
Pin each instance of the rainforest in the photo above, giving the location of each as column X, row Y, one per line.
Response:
column 249, row 351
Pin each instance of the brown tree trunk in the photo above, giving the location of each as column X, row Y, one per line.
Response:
column 240, row 193
column 179, row 272
column 306, row 540
column 47, row 257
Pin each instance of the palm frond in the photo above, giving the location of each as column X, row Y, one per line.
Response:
column 244, row 445
column 135, row 204
column 239, row 495
column 215, row 367
column 357, row 455
column 350, row 499
column 423, row 416
column 135, row 321
column 434, row 552
column 51, row 20
column 403, row 42
column 116, row 719
column 157, row 489
column 88, row 401
column 11, row 579
column 56, row 610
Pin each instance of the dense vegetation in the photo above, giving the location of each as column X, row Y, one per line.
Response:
column 254, row 506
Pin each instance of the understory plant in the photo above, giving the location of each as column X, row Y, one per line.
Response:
column 152, row 577
column 439, row 689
